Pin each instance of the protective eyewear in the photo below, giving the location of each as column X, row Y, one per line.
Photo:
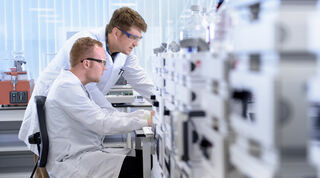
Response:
column 131, row 36
column 104, row 62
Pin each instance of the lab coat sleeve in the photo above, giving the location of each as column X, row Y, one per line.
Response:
column 137, row 77
column 98, row 97
column 77, row 105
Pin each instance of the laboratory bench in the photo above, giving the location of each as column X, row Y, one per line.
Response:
column 15, row 159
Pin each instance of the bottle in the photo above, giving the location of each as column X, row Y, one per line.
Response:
column 184, row 17
column 195, row 27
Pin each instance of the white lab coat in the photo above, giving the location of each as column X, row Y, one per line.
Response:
column 133, row 73
column 76, row 126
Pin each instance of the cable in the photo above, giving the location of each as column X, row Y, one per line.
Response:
column 36, row 166
column 34, row 169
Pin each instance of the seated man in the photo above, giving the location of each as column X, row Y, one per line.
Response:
column 76, row 125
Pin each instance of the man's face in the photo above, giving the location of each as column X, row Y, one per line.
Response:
column 129, row 39
column 97, row 67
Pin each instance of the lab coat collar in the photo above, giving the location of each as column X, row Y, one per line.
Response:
column 113, row 55
column 69, row 75
column 101, row 36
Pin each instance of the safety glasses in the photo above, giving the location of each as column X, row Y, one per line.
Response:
column 104, row 62
column 131, row 36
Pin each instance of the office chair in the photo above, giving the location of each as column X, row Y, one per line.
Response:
column 40, row 138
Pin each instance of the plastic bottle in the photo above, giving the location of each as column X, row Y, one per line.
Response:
column 195, row 26
column 184, row 17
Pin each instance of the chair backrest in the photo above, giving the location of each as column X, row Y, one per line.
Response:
column 44, row 145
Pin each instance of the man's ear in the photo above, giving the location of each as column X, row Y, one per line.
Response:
column 115, row 32
column 85, row 64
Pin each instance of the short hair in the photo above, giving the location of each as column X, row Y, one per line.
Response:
column 80, row 48
column 125, row 18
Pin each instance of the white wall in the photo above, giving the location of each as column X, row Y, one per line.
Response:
column 38, row 27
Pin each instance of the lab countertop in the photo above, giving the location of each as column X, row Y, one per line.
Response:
column 134, row 104
column 11, row 118
column 16, row 113
column 12, row 113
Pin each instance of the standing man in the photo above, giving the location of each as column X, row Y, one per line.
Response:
column 76, row 125
column 118, row 38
